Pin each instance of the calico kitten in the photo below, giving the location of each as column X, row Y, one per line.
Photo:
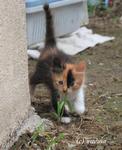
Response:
column 73, row 87
column 51, row 64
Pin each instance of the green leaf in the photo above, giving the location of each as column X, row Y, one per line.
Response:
column 61, row 105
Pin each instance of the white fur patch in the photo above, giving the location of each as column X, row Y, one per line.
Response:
column 66, row 120
column 79, row 103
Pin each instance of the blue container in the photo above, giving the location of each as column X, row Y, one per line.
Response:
column 34, row 3
column 69, row 15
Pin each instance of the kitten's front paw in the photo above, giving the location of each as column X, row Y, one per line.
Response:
column 65, row 120
column 80, row 109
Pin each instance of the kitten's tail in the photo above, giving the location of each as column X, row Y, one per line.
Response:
column 50, row 36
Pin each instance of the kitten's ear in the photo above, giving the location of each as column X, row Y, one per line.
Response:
column 81, row 67
column 57, row 65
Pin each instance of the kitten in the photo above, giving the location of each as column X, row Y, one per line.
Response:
column 51, row 64
column 73, row 87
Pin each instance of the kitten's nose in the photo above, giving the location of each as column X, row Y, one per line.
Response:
column 65, row 90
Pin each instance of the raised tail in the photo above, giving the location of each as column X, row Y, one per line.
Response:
column 50, row 40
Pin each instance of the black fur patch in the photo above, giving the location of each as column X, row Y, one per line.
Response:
column 70, row 79
column 50, row 35
column 57, row 65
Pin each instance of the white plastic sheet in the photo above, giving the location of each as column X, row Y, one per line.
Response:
column 76, row 42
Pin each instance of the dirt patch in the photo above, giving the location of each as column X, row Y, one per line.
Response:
column 100, row 127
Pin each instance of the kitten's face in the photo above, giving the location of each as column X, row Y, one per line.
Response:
column 71, row 79
column 75, row 76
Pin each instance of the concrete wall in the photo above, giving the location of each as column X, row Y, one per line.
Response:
column 14, row 90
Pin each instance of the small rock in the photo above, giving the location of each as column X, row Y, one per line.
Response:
column 101, row 64
column 32, row 122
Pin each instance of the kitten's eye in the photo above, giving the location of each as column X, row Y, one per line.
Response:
column 60, row 82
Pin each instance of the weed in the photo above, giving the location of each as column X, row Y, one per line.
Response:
column 38, row 130
column 91, row 9
column 98, row 9
column 60, row 107
column 53, row 141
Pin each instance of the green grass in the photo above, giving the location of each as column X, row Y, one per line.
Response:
column 52, row 140
column 39, row 130
column 60, row 107
column 93, row 9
